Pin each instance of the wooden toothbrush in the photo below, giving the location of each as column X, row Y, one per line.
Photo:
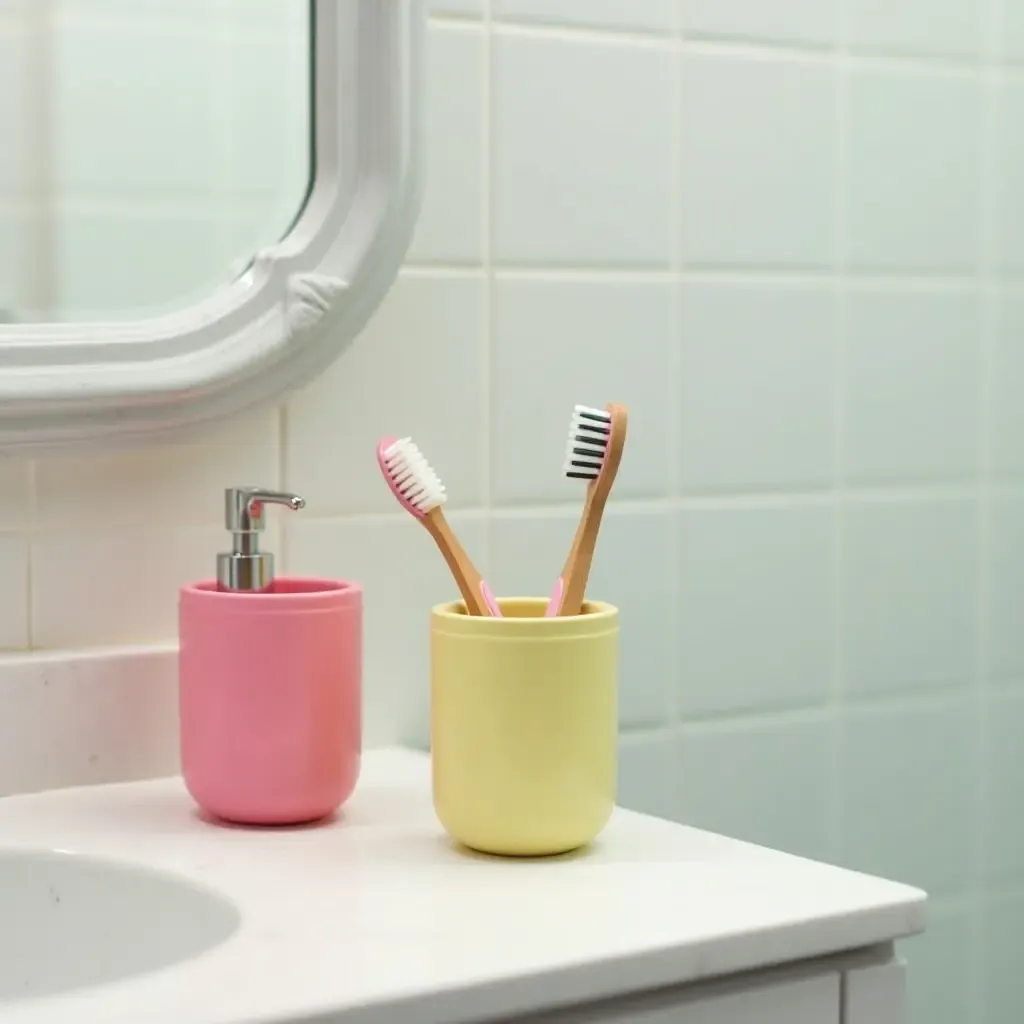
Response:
column 596, row 440
column 419, row 490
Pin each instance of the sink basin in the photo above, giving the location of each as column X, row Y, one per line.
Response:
column 68, row 921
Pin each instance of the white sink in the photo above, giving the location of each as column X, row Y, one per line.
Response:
column 69, row 921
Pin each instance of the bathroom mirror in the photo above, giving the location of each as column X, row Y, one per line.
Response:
column 151, row 149
column 201, row 203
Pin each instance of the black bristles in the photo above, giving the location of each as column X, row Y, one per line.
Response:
column 589, row 440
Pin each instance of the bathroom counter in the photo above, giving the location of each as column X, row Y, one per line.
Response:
column 377, row 917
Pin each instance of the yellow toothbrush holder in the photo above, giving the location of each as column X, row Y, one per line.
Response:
column 523, row 722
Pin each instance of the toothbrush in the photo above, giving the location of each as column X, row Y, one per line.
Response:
column 420, row 491
column 596, row 440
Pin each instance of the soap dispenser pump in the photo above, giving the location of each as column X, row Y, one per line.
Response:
column 270, row 680
column 245, row 568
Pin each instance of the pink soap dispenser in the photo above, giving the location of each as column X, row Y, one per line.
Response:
column 270, row 674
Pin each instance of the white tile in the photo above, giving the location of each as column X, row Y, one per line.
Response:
column 582, row 151
column 1002, row 925
column 767, row 782
column 897, row 820
column 757, row 387
column 15, row 492
column 939, row 964
column 772, row 114
column 240, row 233
column 417, row 369
column 161, row 485
column 1007, row 427
column 930, row 28
column 14, row 590
column 21, row 268
column 913, row 364
column 631, row 569
column 450, row 226
column 127, row 265
column 755, row 608
column 1003, row 782
column 24, row 141
column 254, row 16
column 104, row 587
column 1006, row 589
column 561, row 343
column 911, row 599
column 788, row 21
column 132, row 110
column 902, row 213
column 269, row 124
column 14, row 14
column 648, row 778
column 648, row 16
column 187, row 12
column 1011, row 30
column 403, row 576
column 1009, row 149
column 457, row 8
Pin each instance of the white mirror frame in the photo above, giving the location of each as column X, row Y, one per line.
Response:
column 297, row 306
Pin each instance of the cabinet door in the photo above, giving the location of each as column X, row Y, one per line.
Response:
column 876, row 994
column 813, row 1000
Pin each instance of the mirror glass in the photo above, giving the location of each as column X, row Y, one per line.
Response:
column 149, row 148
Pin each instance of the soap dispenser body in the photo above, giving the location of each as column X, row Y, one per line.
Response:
column 270, row 681
column 270, row 699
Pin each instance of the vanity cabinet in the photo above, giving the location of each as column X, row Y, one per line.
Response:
column 839, row 993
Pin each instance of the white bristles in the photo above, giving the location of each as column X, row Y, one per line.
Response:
column 589, row 433
column 413, row 477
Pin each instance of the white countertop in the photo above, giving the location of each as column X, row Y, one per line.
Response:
column 378, row 917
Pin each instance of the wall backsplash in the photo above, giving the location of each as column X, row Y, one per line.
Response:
column 790, row 235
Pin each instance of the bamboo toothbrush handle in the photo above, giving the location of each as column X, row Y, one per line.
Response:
column 580, row 526
column 469, row 581
column 581, row 557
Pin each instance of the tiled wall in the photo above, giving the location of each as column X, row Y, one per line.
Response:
column 791, row 236
column 22, row 182
column 149, row 148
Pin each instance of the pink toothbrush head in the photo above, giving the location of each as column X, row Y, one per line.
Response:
column 410, row 477
column 419, row 490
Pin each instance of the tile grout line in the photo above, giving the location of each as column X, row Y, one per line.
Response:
column 224, row 200
column 893, row 279
column 840, row 652
column 676, row 543
column 962, row 493
column 284, row 531
column 736, row 45
column 44, row 285
column 487, row 404
column 30, row 538
column 578, row 33
column 991, row 81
